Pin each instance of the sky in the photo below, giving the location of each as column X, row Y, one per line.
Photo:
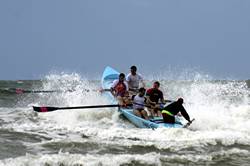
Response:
column 38, row 37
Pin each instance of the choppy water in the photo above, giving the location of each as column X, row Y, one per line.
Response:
column 219, row 136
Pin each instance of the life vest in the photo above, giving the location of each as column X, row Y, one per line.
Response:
column 120, row 89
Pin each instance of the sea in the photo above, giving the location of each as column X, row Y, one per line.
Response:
column 220, row 134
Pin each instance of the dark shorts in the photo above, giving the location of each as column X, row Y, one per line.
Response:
column 168, row 118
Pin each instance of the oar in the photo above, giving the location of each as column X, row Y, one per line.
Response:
column 145, row 105
column 168, row 101
column 21, row 91
column 188, row 124
column 151, row 106
column 49, row 109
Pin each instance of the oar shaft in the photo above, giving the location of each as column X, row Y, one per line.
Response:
column 49, row 109
column 145, row 105
column 39, row 91
column 91, row 106
column 21, row 91
column 168, row 101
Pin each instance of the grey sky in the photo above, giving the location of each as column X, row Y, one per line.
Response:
column 84, row 36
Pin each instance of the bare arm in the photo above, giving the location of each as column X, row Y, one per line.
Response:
column 185, row 114
column 149, row 101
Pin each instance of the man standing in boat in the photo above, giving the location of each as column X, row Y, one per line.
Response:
column 134, row 79
column 173, row 109
column 119, row 88
column 139, row 104
column 155, row 99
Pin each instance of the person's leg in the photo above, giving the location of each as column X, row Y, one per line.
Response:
column 151, row 111
column 137, row 113
column 144, row 114
column 120, row 100
column 127, row 101
column 157, row 110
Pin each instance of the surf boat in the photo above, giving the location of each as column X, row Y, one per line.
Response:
column 109, row 75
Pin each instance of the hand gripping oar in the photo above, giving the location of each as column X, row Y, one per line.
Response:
column 49, row 109
column 188, row 124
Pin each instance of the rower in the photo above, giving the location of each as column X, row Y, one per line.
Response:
column 134, row 79
column 155, row 99
column 173, row 109
column 139, row 104
column 119, row 89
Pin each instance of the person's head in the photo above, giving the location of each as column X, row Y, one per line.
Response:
column 156, row 85
column 142, row 91
column 122, row 77
column 133, row 70
column 180, row 100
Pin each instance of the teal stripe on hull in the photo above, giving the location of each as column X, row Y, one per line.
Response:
column 109, row 75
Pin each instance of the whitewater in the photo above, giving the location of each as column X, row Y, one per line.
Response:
column 220, row 134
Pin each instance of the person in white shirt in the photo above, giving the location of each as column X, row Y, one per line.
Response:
column 134, row 79
column 139, row 104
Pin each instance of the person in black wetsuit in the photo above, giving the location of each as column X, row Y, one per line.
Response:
column 169, row 112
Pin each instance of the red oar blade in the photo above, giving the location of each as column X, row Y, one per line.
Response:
column 44, row 109
column 19, row 91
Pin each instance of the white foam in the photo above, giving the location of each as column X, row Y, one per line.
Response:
column 219, row 119
column 118, row 159
column 77, row 159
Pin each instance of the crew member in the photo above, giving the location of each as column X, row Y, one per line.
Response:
column 139, row 104
column 173, row 109
column 134, row 79
column 119, row 88
column 155, row 99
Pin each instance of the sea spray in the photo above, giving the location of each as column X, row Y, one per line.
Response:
column 219, row 135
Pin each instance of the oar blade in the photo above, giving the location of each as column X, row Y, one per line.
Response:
column 44, row 109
